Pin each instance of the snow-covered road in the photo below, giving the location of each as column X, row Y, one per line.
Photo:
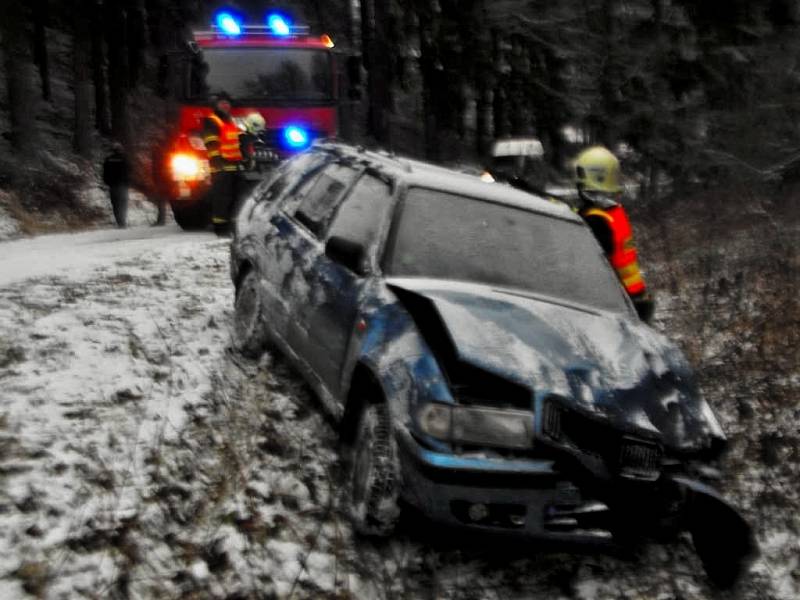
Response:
column 77, row 254
column 140, row 459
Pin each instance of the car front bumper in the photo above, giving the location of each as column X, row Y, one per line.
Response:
column 518, row 497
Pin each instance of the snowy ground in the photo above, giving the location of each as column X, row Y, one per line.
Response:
column 139, row 458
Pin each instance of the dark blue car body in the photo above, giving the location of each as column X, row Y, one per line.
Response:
column 593, row 423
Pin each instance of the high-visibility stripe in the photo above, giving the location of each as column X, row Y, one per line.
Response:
column 632, row 279
column 228, row 137
column 210, row 138
column 213, row 153
column 628, row 270
column 218, row 220
column 623, row 253
column 596, row 212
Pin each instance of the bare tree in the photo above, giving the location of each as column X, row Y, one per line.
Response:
column 118, row 80
column 40, row 54
column 81, row 72
column 102, row 123
column 20, row 73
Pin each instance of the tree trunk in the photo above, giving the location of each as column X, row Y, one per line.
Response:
column 98, row 70
column 81, row 55
column 376, row 60
column 136, row 40
column 609, row 76
column 381, row 83
column 20, row 73
column 115, row 30
column 499, row 104
column 431, row 79
column 40, row 55
column 482, row 108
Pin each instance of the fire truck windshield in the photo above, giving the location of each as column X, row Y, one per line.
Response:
column 265, row 75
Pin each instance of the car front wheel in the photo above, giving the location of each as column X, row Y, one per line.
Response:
column 374, row 482
column 249, row 336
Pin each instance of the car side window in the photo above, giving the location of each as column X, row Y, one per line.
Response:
column 289, row 174
column 319, row 203
column 362, row 213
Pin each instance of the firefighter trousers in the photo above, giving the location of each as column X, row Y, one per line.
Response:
column 224, row 196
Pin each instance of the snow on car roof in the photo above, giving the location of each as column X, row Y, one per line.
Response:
column 415, row 173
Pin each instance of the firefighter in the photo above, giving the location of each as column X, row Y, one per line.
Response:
column 597, row 176
column 221, row 138
column 116, row 175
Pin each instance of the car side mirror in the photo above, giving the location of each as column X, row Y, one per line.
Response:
column 347, row 253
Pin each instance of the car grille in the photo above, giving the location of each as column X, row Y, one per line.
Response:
column 630, row 457
column 639, row 459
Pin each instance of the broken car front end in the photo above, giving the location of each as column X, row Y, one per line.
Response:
column 593, row 434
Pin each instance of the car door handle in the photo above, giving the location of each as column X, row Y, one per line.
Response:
column 279, row 223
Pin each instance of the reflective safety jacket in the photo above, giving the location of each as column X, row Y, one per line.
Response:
column 221, row 138
column 619, row 245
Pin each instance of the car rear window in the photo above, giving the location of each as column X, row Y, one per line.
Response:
column 447, row 236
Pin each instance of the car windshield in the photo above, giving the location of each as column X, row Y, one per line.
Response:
column 446, row 236
column 263, row 74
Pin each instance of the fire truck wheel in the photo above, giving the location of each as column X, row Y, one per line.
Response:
column 191, row 217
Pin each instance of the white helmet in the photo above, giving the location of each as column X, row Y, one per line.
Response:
column 254, row 122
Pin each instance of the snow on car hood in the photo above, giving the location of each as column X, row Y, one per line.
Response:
column 610, row 365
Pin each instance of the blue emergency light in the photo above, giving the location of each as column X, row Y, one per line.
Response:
column 228, row 23
column 279, row 24
column 296, row 137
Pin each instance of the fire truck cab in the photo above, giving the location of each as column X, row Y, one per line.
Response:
column 278, row 71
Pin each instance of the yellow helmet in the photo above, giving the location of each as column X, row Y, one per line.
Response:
column 255, row 122
column 597, row 170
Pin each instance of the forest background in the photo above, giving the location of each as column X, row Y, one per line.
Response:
column 695, row 94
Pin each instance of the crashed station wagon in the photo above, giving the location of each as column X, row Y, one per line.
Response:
column 480, row 355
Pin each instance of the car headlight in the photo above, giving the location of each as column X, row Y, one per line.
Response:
column 477, row 425
column 187, row 167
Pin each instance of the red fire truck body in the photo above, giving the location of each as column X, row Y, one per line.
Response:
column 289, row 79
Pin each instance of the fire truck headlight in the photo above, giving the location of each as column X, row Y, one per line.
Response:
column 296, row 137
column 228, row 23
column 185, row 167
column 279, row 24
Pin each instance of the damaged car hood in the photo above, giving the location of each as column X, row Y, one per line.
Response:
column 606, row 365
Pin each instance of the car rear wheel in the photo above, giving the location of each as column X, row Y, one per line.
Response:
column 249, row 335
column 374, row 482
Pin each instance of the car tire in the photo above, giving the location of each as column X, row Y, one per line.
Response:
column 249, row 334
column 191, row 217
column 373, row 488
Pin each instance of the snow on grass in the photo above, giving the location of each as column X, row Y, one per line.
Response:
column 140, row 458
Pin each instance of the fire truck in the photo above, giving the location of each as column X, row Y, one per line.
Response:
column 278, row 71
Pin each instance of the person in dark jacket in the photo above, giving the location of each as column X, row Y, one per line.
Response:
column 158, row 186
column 116, row 175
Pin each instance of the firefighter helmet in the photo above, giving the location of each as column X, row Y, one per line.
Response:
column 254, row 123
column 597, row 170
